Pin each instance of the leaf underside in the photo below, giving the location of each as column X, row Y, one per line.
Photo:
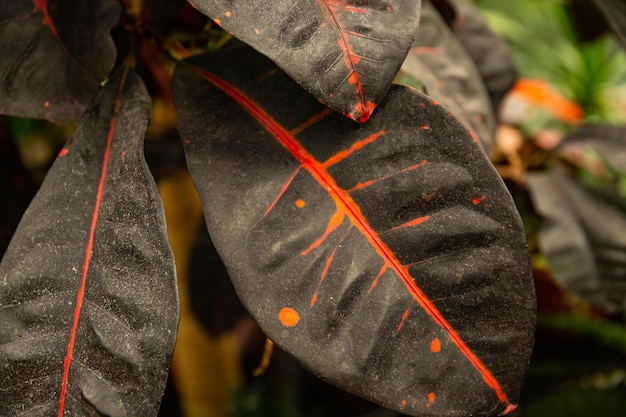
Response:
column 53, row 56
column 387, row 257
column 88, row 301
column 344, row 52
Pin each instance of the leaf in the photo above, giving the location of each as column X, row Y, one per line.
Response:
column 344, row 52
column 87, row 287
column 53, row 56
column 387, row 257
column 490, row 53
column 583, row 239
column 16, row 187
column 584, row 232
column 450, row 76
column 614, row 11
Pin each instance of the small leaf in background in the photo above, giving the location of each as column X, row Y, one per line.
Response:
column 53, row 56
column 583, row 238
column 16, row 187
column 87, row 285
column 449, row 75
column 584, row 231
column 388, row 256
column 490, row 53
column 344, row 52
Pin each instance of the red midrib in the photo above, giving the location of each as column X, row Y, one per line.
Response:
column 352, row 210
column 43, row 6
column 89, row 248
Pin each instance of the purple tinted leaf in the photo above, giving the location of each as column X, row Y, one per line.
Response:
column 388, row 257
column 442, row 65
column 345, row 52
column 87, row 286
column 53, row 55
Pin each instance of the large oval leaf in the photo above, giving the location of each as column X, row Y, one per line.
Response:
column 88, row 303
column 345, row 52
column 53, row 55
column 388, row 257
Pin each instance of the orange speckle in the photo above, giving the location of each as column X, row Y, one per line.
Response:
column 435, row 345
column 300, row 203
column 477, row 200
column 218, row 22
column 257, row 31
column 435, row 103
column 431, row 399
column 403, row 403
column 423, row 127
column 352, row 79
column 63, row 152
column 123, row 155
column 388, row 8
column 46, row 104
column 288, row 317
column 228, row 13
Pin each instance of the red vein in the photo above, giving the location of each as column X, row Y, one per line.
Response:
column 404, row 317
column 339, row 156
column 345, row 202
column 319, row 116
column 47, row 19
column 89, row 249
column 282, row 191
column 414, row 222
column 334, row 222
column 375, row 282
column 362, row 108
column 329, row 261
column 371, row 182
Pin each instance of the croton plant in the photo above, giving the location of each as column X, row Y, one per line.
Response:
column 361, row 222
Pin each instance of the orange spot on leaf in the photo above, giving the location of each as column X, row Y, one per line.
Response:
column 288, row 317
column 435, row 345
column 431, row 399
column 228, row 13
column 46, row 104
column 300, row 203
column 218, row 22
column 123, row 155
column 477, row 200
column 63, row 152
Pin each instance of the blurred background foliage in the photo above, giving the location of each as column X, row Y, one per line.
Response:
column 560, row 145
